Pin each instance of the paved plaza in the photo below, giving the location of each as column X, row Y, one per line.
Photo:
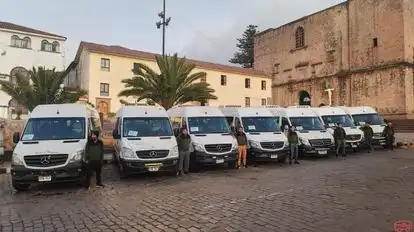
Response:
column 360, row 193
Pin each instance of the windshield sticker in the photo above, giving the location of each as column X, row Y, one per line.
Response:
column 361, row 123
column 331, row 124
column 132, row 133
column 194, row 129
column 299, row 128
column 252, row 127
column 28, row 137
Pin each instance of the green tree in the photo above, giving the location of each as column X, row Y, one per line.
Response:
column 40, row 86
column 244, row 56
column 175, row 84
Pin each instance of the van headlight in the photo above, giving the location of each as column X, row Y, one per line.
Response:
column 174, row 151
column 17, row 159
column 76, row 156
column 304, row 141
column 127, row 154
column 255, row 144
column 198, row 147
column 234, row 146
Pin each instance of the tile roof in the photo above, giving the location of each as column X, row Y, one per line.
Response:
column 126, row 52
column 15, row 27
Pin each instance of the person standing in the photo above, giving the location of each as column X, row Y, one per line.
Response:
column 242, row 143
column 339, row 136
column 368, row 134
column 389, row 135
column 184, row 144
column 94, row 159
column 293, row 140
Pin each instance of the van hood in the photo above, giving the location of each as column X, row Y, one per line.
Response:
column 266, row 137
column 349, row 131
column 213, row 139
column 150, row 143
column 27, row 148
column 378, row 128
column 315, row 135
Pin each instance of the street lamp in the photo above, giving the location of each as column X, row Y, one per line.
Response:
column 164, row 23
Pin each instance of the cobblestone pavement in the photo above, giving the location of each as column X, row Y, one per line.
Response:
column 362, row 193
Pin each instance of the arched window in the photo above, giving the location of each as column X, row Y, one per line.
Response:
column 26, row 42
column 18, row 72
column 55, row 47
column 300, row 37
column 46, row 46
column 14, row 40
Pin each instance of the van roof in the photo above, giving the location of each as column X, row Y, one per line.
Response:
column 194, row 111
column 137, row 111
column 62, row 111
column 359, row 110
column 296, row 112
column 327, row 110
column 247, row 112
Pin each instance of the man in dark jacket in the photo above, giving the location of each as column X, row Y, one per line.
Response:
column 389, row 135
column 242, row 143
column 94, row 158
column 184, row 144
column 368, row 134
column 339, row 136
column 293, row 140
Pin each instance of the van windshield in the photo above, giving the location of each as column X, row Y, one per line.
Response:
column 373, row 119
column 260, row 124
column 146, row 127
column 307, row 123
column 54, row 129
column 334, row 120
column 208, row 125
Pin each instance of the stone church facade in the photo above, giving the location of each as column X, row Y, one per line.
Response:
column 360, row 51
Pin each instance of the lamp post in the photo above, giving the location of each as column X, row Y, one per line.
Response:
column 164, row 23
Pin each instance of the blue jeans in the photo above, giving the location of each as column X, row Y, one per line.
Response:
column 293, row 152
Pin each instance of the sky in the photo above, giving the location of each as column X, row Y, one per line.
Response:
column 199, row 29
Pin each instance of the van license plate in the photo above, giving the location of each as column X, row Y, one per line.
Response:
column 45, row 178
column 354, row 145
column 322, row 152
column 153, row 168
column 273, row 156
column 219, row 161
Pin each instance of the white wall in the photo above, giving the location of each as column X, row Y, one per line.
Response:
column 27, row 58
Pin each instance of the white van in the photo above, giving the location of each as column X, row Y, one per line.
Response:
column 51, row 147
column 145, row 141
column 265, row 139
column 363, row 114
column 331, row 116
column 313, row 138
column 210, row 134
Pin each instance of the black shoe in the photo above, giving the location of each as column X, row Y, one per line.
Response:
column 336, row 155
column 187, row 173
column 100, row 185
column 297, row 162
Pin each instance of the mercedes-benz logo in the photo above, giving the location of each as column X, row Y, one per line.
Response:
column 219, row 148
column 45, row 160
column 153, row 153
column 273, row 145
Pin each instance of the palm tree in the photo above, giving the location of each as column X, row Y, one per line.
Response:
column 175, row 84
column 40, row 86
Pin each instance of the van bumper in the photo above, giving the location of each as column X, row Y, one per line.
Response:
column 143, row 166
column 263, row 155
column 213, row 159
column 379, row 141
column 316, row 151
column 73, row 172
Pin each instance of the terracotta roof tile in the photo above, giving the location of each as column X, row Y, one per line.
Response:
column 126, row 52
column 15, row 27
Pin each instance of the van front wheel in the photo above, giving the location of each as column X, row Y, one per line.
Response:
column 20, row 187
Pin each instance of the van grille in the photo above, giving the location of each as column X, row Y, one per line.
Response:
column 152, row 154
column 46, row 160
column 218, row 148
column 352, row 137
column 320, row 142
column 272, row 145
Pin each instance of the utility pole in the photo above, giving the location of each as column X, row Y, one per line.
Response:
column 164, row 23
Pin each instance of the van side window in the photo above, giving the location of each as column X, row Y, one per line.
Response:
column 230, row 121
column 237, row 123
column 285, row 122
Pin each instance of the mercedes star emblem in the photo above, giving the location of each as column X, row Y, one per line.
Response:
column 45, row 160
column 153, row 153
column 219, row 148
column 273, row 145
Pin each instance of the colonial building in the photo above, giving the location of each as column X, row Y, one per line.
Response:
column 359, row 52
column 99, row 69
column 21, row 49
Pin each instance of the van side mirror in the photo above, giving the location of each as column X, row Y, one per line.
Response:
column 115, row 134
column 16, row 137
